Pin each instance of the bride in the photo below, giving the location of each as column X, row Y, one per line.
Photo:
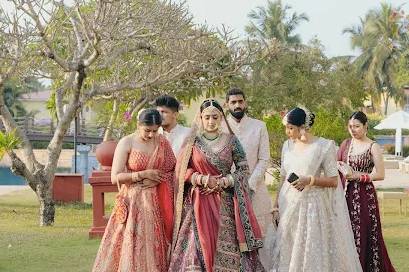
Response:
column 314, row 231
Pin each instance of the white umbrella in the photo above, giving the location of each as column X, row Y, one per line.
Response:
column 398, row 120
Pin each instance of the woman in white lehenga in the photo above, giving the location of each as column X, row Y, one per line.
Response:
column 314, row 231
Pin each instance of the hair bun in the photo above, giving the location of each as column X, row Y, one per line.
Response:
column 299, row 117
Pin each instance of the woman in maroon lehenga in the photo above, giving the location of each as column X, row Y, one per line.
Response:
column 360, row 162
column 137, row 238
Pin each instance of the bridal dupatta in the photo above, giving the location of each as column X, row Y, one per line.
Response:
column 142, row 243
column 208, row 210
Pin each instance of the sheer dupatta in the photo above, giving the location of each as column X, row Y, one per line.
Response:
column 342, row 155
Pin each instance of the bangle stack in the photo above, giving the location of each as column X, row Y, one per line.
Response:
column 224, row 182
column 365, row 178
column 193, row 178
column 231, row 180
column 206, row 182
column 203, row 180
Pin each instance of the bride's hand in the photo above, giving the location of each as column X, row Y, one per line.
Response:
column 301, row 183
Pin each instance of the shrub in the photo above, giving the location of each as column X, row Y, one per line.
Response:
column 277, row 137
column 330, row 125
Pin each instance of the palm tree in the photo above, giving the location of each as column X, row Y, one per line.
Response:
column 275, row 22
column 381, row 38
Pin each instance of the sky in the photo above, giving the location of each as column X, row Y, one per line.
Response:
column 327, row 18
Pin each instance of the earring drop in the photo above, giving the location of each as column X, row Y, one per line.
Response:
column 303, row 137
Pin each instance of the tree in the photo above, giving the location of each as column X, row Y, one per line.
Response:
column 285, row 78
column 94, row 49
column 275, row 22
column 381, row 37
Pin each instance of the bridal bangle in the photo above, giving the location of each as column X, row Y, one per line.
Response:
column 231, row 180
column 193, row 178
column 206, row 182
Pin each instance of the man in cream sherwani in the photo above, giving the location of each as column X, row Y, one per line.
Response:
column 253, row 136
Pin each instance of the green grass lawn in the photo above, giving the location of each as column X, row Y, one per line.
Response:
column 24, row 246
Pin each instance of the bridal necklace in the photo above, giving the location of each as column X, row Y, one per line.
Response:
column 210, row 138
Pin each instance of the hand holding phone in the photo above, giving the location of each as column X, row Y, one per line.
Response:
column 292, row 178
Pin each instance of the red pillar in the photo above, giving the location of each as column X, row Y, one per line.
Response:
column 101, row 184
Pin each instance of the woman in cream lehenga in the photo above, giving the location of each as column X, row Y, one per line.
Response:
column 314, row 231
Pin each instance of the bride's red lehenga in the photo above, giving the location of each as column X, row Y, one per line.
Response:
column 219, row 231
column 142, row 243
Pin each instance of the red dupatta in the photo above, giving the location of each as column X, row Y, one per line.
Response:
column 163, row 159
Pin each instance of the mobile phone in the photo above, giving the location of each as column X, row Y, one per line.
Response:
column 293, row 177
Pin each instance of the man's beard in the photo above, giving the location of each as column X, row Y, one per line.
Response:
column 238, row 113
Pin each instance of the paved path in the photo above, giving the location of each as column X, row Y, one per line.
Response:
column 6, row 189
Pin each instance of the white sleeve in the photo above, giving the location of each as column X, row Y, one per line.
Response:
column 284, row 150
column 330, row 161
column 263, row 159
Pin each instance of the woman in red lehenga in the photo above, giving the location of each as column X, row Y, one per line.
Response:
column 360, row 162
column 144, row 165
column 215, row 226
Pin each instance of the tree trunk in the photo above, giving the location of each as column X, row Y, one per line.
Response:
column 47, row 205
column 373, row 105
column 112, row 119
column 386, row 104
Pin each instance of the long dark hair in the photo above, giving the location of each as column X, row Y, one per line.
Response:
column 212, row 102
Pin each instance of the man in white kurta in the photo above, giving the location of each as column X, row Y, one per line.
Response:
column 253, row 135
column 176, row 134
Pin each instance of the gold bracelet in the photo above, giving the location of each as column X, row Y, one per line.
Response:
column 312, row 181
column 193, row 179
column 225, row 182
column 206, row 182
column 231, row 180
column 199, row 181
